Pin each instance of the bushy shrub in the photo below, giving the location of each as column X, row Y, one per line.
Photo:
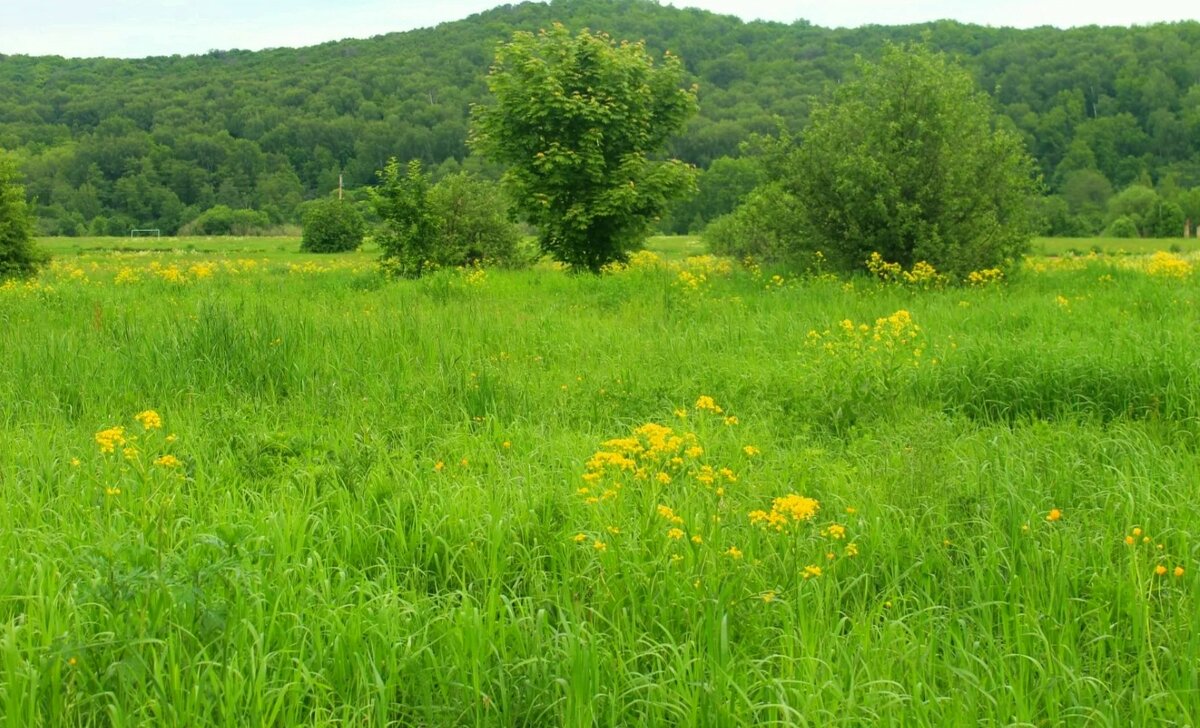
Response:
column 331, row 226
column 766, row 227
column 221, row 220
column 459, row 221
column 470, row 222
column 906, row 161
column 1122, row 227
column 18, row 256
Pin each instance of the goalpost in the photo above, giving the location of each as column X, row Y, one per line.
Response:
column 145, row 232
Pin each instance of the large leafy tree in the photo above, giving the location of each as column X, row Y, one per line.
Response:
column 907, row 161
column 577, row 120
column 18, row 257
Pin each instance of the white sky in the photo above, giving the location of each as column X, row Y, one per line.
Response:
column 133, row 28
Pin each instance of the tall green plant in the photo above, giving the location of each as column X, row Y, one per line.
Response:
column 18, row 257
column 577, row 120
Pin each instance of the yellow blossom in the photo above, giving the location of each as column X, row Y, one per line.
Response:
column 750, row 451
column 580, row 537
column 675, row 533
column 439, row 465
column 149, row 419
column 851, row 549
column 1178, row 571
column 599, row 545
column 110, row 438
column 697, row 540
column 734, row 552
column 1054, row 515
column 1160, row 570
column 706, row 403
column 1129, row 540
column 768, row 597
column 168, row 461
column 811, row 571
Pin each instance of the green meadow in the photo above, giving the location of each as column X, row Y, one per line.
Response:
column 240, row 486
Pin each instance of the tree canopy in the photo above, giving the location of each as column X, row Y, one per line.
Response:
column 575, row 120
column 105, row 145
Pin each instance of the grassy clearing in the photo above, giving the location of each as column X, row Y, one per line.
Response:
column 508, row 499
column 1113, row 246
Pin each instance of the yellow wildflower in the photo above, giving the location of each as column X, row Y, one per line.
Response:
column 1160, row 570
column 811, row 571
column 706, row 403
column 1178, row 571
column 851, row 549
column 1054, row 515
column 600, row 545
column 1129, row 540
column 149, row 419
column 580, row 537
column 168, row 461
column 110, row 438
column 675, row 533
column 734, row 552
column 750, row 451
column 697, row 540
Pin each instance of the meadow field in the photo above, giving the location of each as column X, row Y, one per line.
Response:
column 241, row 486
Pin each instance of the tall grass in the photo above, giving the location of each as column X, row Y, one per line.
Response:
column 377, row 517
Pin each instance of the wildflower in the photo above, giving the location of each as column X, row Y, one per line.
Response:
column 731, row 420
column 835, row 531
column 851, row 550
column 1178, row 571
column 599, row 545
column 172, row 437
column 851, row 510
column 697, row 540
column 721, row 492
column 110, row 438
column 664, row 478
column 1160, row 570
column 1129, row 540
column 676, row 558
column 751, row 451
column 829, row 555
column 1054, row 515
column 506, row 444
column 734, row 552
column 1145, row 539
column 112, row 491
column 463, row 462
column 694, row 451
column 614, row 530
column 74, row 462
column 811, row 571
column 768, row 597
column 706, row 403
column 149, row 419
column 1137, row 532
column 580, row 537
column 130, row 452
column 681, row 413
column 168, row 461
column 675, row 533
column 72, row 662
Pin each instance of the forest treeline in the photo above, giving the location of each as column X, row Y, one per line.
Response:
column 238, row 140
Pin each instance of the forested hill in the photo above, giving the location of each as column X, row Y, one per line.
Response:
column 111, row 144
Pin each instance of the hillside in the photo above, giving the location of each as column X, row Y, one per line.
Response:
column 111, row 144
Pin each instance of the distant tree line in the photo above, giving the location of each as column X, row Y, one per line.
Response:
column 240, row 140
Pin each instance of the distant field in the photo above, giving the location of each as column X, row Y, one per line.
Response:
column 1112, row 246
column 673, row 247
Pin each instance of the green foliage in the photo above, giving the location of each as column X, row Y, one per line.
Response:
column 576, row 119
column 221, row 220
column 331, row 226
column 408, row 232
column 471, row 225
column 1122, row 227
column 766, row 227
column 720, row 189
column 106, row 145
column 18, row 257
column 905, row 161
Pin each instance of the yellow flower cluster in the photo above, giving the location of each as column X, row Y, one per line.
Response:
column 897, row 333
column 921, row 275
column 110, row 439
column 785, row 511
column 985, row 277
column 1168, row 265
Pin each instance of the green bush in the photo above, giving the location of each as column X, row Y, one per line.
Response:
column 471, row 225
column 18, row 256
column 331, row 226
column 907, row 162
column 459, row 221
column 222, row 220
column 765, row 227
column 1122, row 227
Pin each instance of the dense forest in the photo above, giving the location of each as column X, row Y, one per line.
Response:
column 232, row 138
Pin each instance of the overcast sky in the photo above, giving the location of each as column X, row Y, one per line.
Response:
column 133, row 28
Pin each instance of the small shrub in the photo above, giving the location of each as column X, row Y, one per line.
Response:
column 331, row 226
column 18, row 256
column 1122, row 227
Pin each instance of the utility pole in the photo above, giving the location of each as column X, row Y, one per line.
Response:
column 339, row 186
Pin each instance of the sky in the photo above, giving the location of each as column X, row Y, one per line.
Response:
column 138, row 28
